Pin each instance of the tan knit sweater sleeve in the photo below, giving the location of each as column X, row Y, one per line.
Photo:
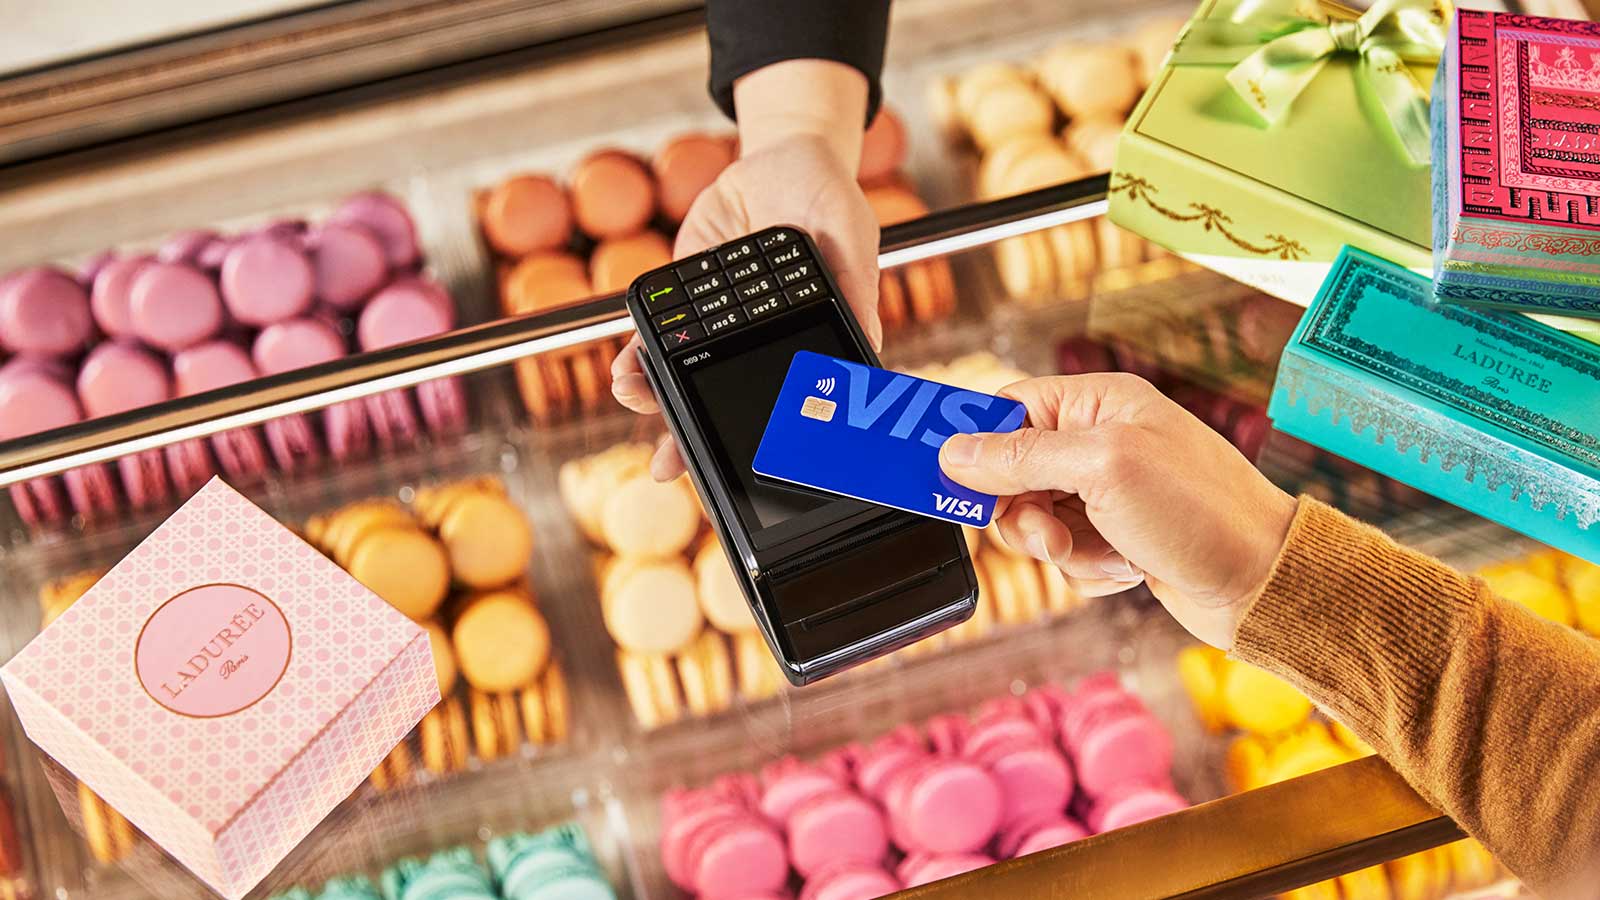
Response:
column 1490, row 712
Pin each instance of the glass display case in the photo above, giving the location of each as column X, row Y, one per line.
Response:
column 290, row 125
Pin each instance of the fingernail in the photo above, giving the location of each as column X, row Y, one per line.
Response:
column 961, row 449
column 629, row 386
column 1115, row 565
column 1037, row 549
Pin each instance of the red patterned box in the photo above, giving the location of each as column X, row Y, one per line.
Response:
column 1517, row 164
column 224, row 687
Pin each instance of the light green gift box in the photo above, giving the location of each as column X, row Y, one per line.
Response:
column 1261, row 159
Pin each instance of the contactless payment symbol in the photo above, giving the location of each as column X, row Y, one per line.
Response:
column 825, row 386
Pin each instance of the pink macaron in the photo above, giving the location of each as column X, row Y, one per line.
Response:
column 833, row 827
column 388, row 219
column 144, row 479
column 742, row 788
column 296, row 343
column 39, row 503
column 266, row 279
column 348, row 263
column 919, row 870
column 1001, row 730
column 91, row 268
column 409, row 310
column 189, row 466
column 118, row 376
column 850, row 881
column 392, row 418
column 682, row 813
column 789, row 783
column 736, row 856
column 44, row 311
column 1034, row 778
column 1120, row 749
column 174, row 306
column 1132, row 804
column 213, row 365
column 1054, row 834
column 882, row 761
column 840, row 762
column 111, row 294
column 944, row 806
column 1044, row 704
column 947, row 733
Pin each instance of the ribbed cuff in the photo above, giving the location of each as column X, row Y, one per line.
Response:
column 1360, row 624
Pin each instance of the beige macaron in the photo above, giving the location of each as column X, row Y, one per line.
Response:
column 444, row 657
column 755, row 669
column 488, row 538
column 1090, row 79
column 651, row 688
column 722, row 600
column 649, row 605
column 1009, row 110
column 502, row 642
column 705, row 672
column 645, row 517
column 585, row 482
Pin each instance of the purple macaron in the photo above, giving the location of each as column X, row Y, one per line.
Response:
column 266, row 279
column 218, row 364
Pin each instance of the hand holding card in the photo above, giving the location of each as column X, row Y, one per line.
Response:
column 874, row 435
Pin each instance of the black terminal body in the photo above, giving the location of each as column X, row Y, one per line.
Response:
column 833, row 582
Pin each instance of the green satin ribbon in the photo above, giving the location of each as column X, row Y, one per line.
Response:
column 1278, row 46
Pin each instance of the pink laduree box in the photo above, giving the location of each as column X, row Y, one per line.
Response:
column 224, row 687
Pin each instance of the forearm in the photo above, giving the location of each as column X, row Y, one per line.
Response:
column 803, row 97
column 750, row 35
column 1489, row 712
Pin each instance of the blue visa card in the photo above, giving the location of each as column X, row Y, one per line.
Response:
column 874, row 435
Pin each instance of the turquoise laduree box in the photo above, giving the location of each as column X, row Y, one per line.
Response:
column 1491, row 412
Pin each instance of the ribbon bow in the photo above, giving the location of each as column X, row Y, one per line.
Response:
column 1279, row 46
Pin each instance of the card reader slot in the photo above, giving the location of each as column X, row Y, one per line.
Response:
column 844, row 609
column 849, row 542
column 864, row 570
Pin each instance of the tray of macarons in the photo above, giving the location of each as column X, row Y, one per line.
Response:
column 1029, row 119
column 211, row 307
column 866, row 795
column 557, row 231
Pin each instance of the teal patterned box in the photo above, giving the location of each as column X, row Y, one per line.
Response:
column 1495, row 413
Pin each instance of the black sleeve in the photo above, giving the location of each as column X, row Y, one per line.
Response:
column 749, row 34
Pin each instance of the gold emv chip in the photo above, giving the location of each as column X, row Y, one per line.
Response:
column 819, row 409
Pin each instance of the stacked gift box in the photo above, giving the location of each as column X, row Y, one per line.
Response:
column 1296, row 147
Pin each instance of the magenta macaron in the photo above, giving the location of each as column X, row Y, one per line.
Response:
column 388, row 219
column 118, row 376
column 790, row 783
column 736, row 856
column 34, row 397
column 266, row 279
column 348, row 263
column 213, row 365
column 44, row 311
column 111, row 294
column 409, row 310
column 174, row 306
column 1131, row 804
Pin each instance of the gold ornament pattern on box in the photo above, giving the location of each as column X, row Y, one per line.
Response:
column 1140, row 190
column 1530, row 242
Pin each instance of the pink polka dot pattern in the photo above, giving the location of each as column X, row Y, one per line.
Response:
column 229, row 796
